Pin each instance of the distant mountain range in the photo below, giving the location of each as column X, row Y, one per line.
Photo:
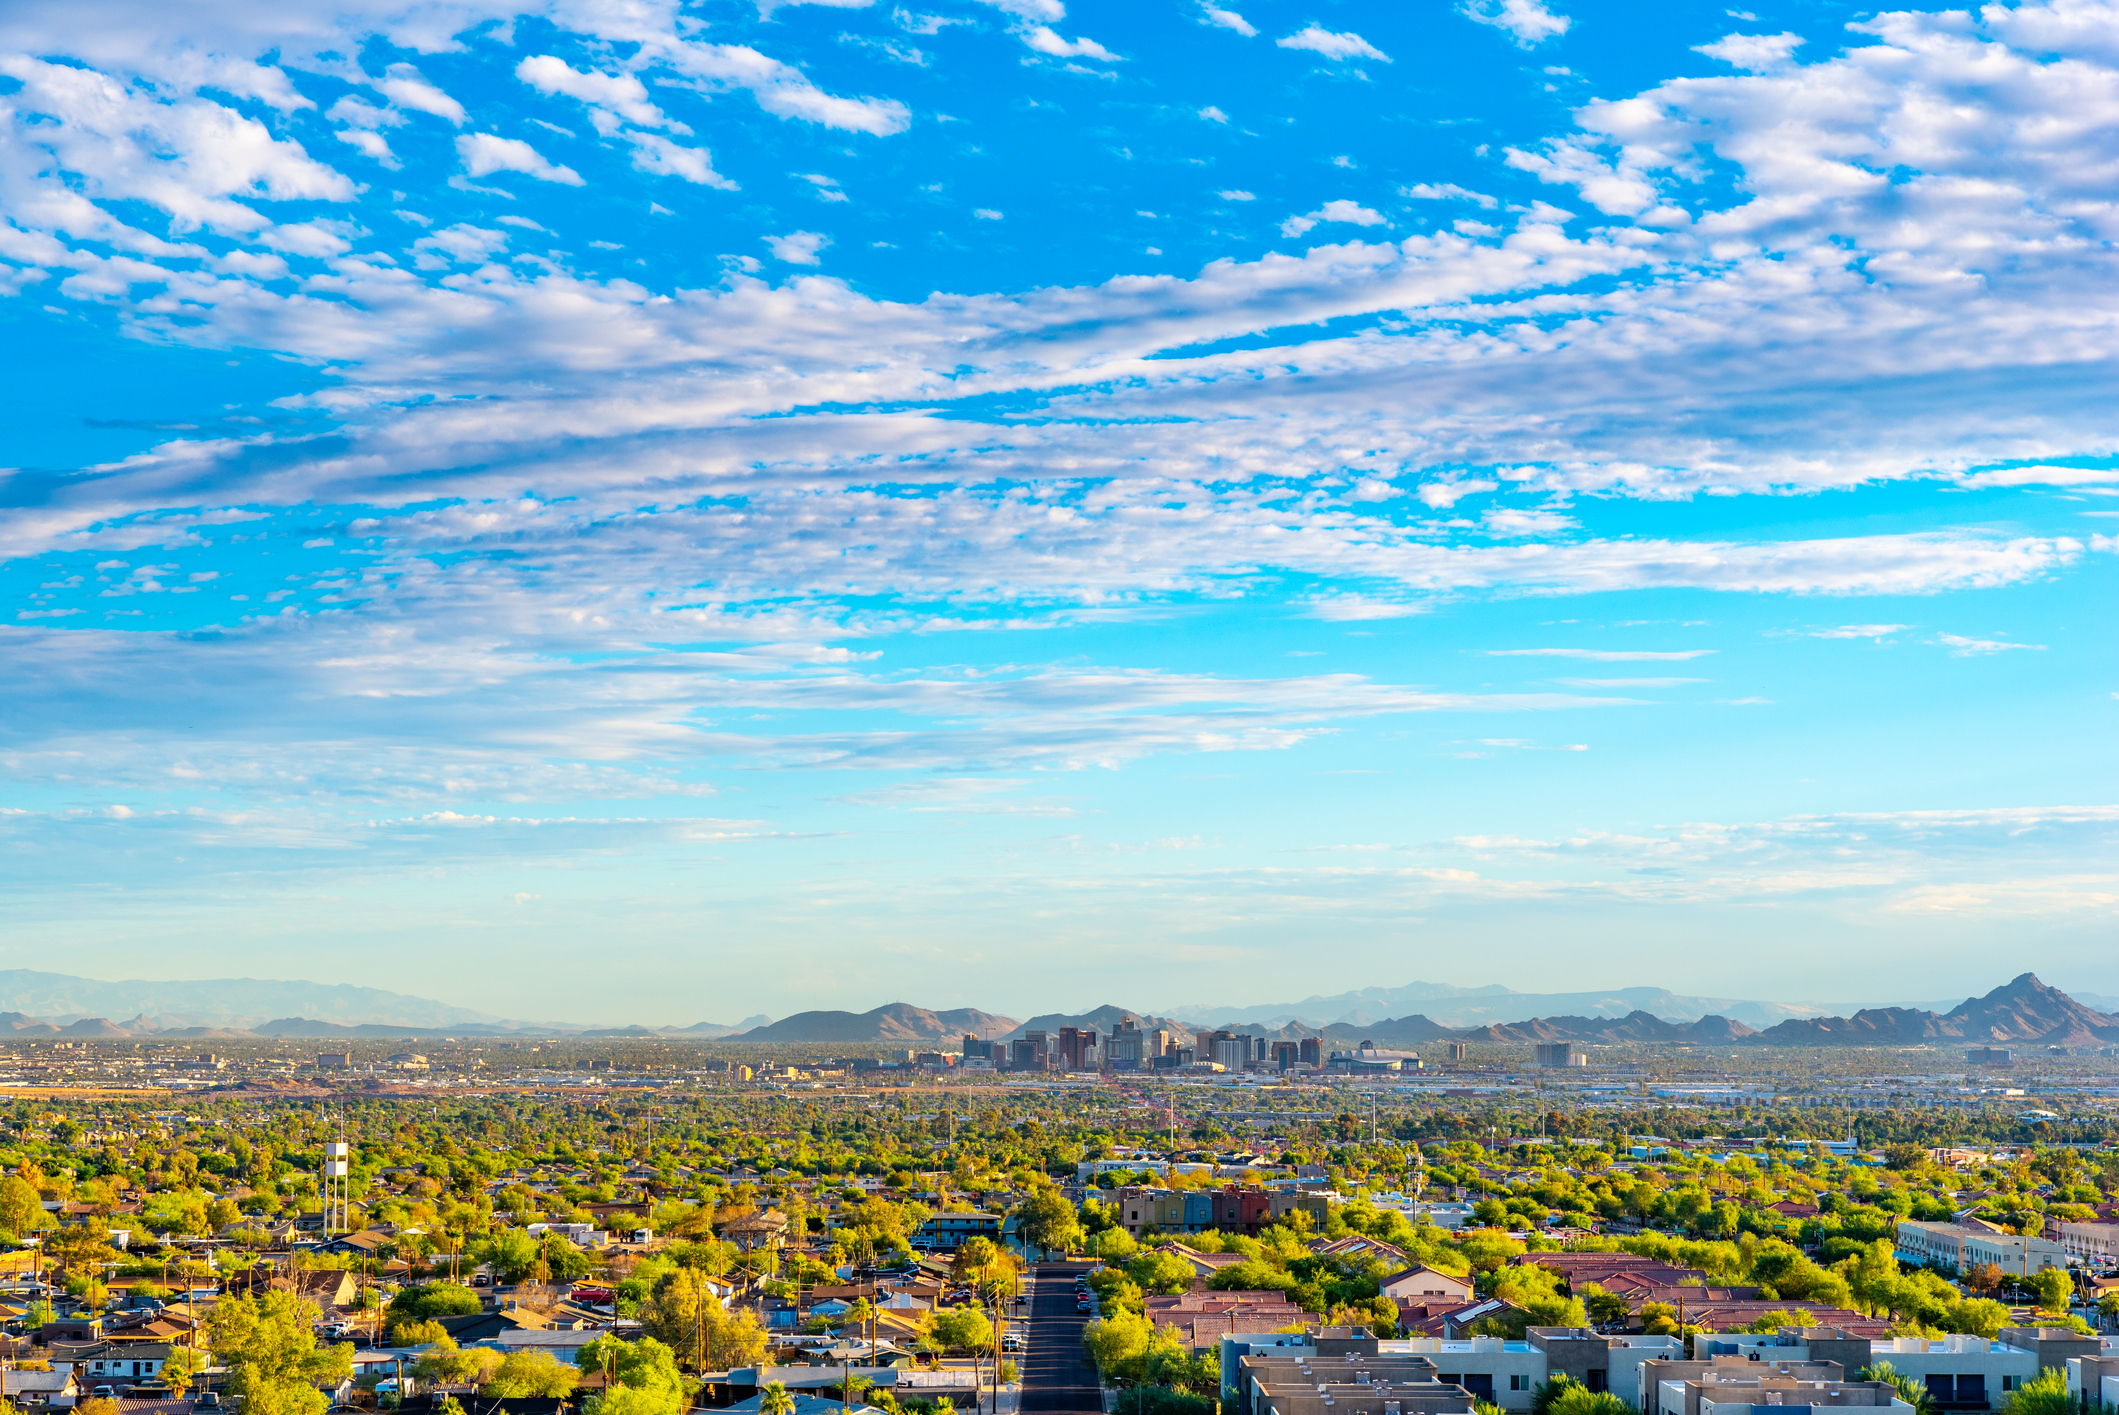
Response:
column 221, row 1002
column 893, row 1022
column 1452, row 1006
column 2024, row 1010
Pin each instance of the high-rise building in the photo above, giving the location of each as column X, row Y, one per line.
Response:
column 1123, row 1049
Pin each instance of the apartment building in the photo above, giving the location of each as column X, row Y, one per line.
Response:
column 1737, row 1391
column 2095, row 1244
column 2093, row 1381
column 1340, row 1373
column 2054, row 1346
column 1232, row 1210
column 1503, row 1373
column 1599, row 1360
column 1680, row 1368
column 1952, row 1245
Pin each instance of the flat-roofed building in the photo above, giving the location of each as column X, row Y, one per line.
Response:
column 1733, row 1391
column 1308, row 1381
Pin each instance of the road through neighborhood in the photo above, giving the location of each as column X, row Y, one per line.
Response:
column 1057, row 1375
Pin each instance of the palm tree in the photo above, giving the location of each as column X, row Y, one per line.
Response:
column 777, row 1401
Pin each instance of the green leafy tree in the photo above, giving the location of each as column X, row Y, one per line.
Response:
column 512, row 1253
column 1118, row 1341
column 1978, row 1316
column 777, row 1401
column 1165, row 1273
column 1602, row 1306
column 422, row 1303
column 22, row 1210
column 1047, row 1222
column 682, row 1304
column 531, row 1374
column 2044, row 1394
column 645, row 1368
column 269, row 1345
column 1581, row 1400
column 2052, row 1288
column 962, row 1328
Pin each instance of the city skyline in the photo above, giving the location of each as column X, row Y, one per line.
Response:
column 808, row 504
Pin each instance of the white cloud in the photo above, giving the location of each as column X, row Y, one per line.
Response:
column 1961, row 647
column 1045, row 40
column 403, row 86
column 1756, row 52
column 616, row 96
column 1631, row 682
column 1213, row 114
column 1319, row 40
column 1348, row 213
column 1602, row 655
column 1228, row 19
column 458, row 243
column 1514, row 521
column 1354, row 608
column 799, row 247
column 655, row 153
column 1448, row 191
column 486, row 153
column 369, row 145
column 194, row 160
column 987, row 213
column 1527, row 22
column 1444, row 494
column 1860, row 631
column 1236, row 194
column 962, row 795
column 2042, row 476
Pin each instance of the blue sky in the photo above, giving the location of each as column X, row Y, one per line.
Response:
column 660, row 512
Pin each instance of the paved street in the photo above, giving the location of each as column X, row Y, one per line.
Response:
column 1057, row 1375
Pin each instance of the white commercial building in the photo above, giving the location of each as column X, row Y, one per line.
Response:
column 1948, row 1245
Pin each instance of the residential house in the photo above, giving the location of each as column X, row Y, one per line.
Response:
column 1201, row 1319
column 327, row 1288
column 60, row 1386
column 1359, row 1248
column 1421, row 1282
column 354, row 1245
column 949, row 1231
column 128, row 1364
column 1203, row 1265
